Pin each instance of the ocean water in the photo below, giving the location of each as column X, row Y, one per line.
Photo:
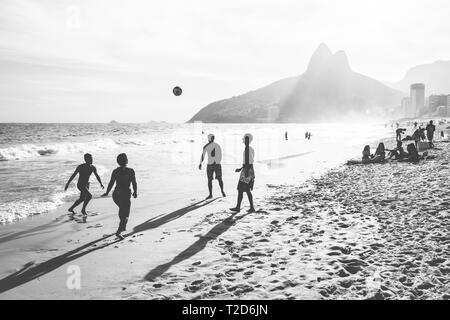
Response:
column 36, row 160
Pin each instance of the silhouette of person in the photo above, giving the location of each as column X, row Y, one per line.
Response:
column 431, row 128
column 309, row 135
column 84, row 172
column 123, row 177
column 418, row 135
column 214, row 167
column 286, row 135
column 247, row 177
column 399, row 133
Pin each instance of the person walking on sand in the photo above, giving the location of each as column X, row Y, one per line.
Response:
column 123, row 177
column 84, row 172
column 214, row 166
column 247, row 177
column 431, row 128
column 286, row 136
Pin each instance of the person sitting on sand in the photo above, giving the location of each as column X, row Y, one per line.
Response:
column 366, row 156
column 214, row 167
column 247, row 177
column 397, row 153
column 84, row 172
column 413, row 155
column 123, row 177
column 380, row 154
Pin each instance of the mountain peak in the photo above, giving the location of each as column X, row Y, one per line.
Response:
column 323, row 59
column 340, row 60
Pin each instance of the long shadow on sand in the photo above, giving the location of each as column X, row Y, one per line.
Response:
column 163, row 219
column 30, row 272
column 196, row 247
column 31, row 232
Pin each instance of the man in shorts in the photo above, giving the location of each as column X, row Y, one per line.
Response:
column 84, row 172
column 214, row 167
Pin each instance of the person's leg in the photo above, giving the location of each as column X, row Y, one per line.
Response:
column 124, row 212
column 87, row 198
column 239, row 201
column 250, row 199
column 209, row 175
column 116, row 200
column 78, row 201
column 221, row 186
column 210, row 188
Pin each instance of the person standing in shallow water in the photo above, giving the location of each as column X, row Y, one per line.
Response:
column 214, row 167
column 84, row 172
column 247, row 177
column 123, row 177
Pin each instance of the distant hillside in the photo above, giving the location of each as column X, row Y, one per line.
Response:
column 327, row 91
column 435, row 76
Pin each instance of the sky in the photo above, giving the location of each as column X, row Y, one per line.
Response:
column 102, row 60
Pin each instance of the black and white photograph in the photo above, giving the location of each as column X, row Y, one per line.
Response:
column 241, row 151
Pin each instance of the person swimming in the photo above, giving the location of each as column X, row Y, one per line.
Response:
column 84, row 172
column 122, row 177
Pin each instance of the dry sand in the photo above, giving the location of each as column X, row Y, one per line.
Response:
column 360, row 232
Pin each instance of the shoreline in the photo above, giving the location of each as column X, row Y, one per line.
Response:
column 307, row 241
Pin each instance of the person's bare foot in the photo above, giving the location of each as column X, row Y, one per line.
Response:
column 223, row 194
column 251, row 210
column 235, row 210
column 209, row 197
column 71, row 210
column 120, row 236
column 83, row 211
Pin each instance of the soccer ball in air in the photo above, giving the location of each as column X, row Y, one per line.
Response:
column 177, row 91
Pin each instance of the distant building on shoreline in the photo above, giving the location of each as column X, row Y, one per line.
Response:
column 436, row 101
column 417, row 100
column 405, row 105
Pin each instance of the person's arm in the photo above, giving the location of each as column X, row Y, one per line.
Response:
column 203, row 157
column 134, row 183
column 111, row 184
column 70, row 179
column 98, row 178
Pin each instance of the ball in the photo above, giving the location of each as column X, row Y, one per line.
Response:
column 177, row 91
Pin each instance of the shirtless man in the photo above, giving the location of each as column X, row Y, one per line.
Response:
column 84, row 170
column 214, row 167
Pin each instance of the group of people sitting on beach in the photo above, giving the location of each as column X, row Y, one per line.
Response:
column 410, row 155
column 398, row 153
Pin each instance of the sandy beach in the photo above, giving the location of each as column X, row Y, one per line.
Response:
column 358, row 232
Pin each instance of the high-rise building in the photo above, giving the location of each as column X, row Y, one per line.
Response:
column 417, row 99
